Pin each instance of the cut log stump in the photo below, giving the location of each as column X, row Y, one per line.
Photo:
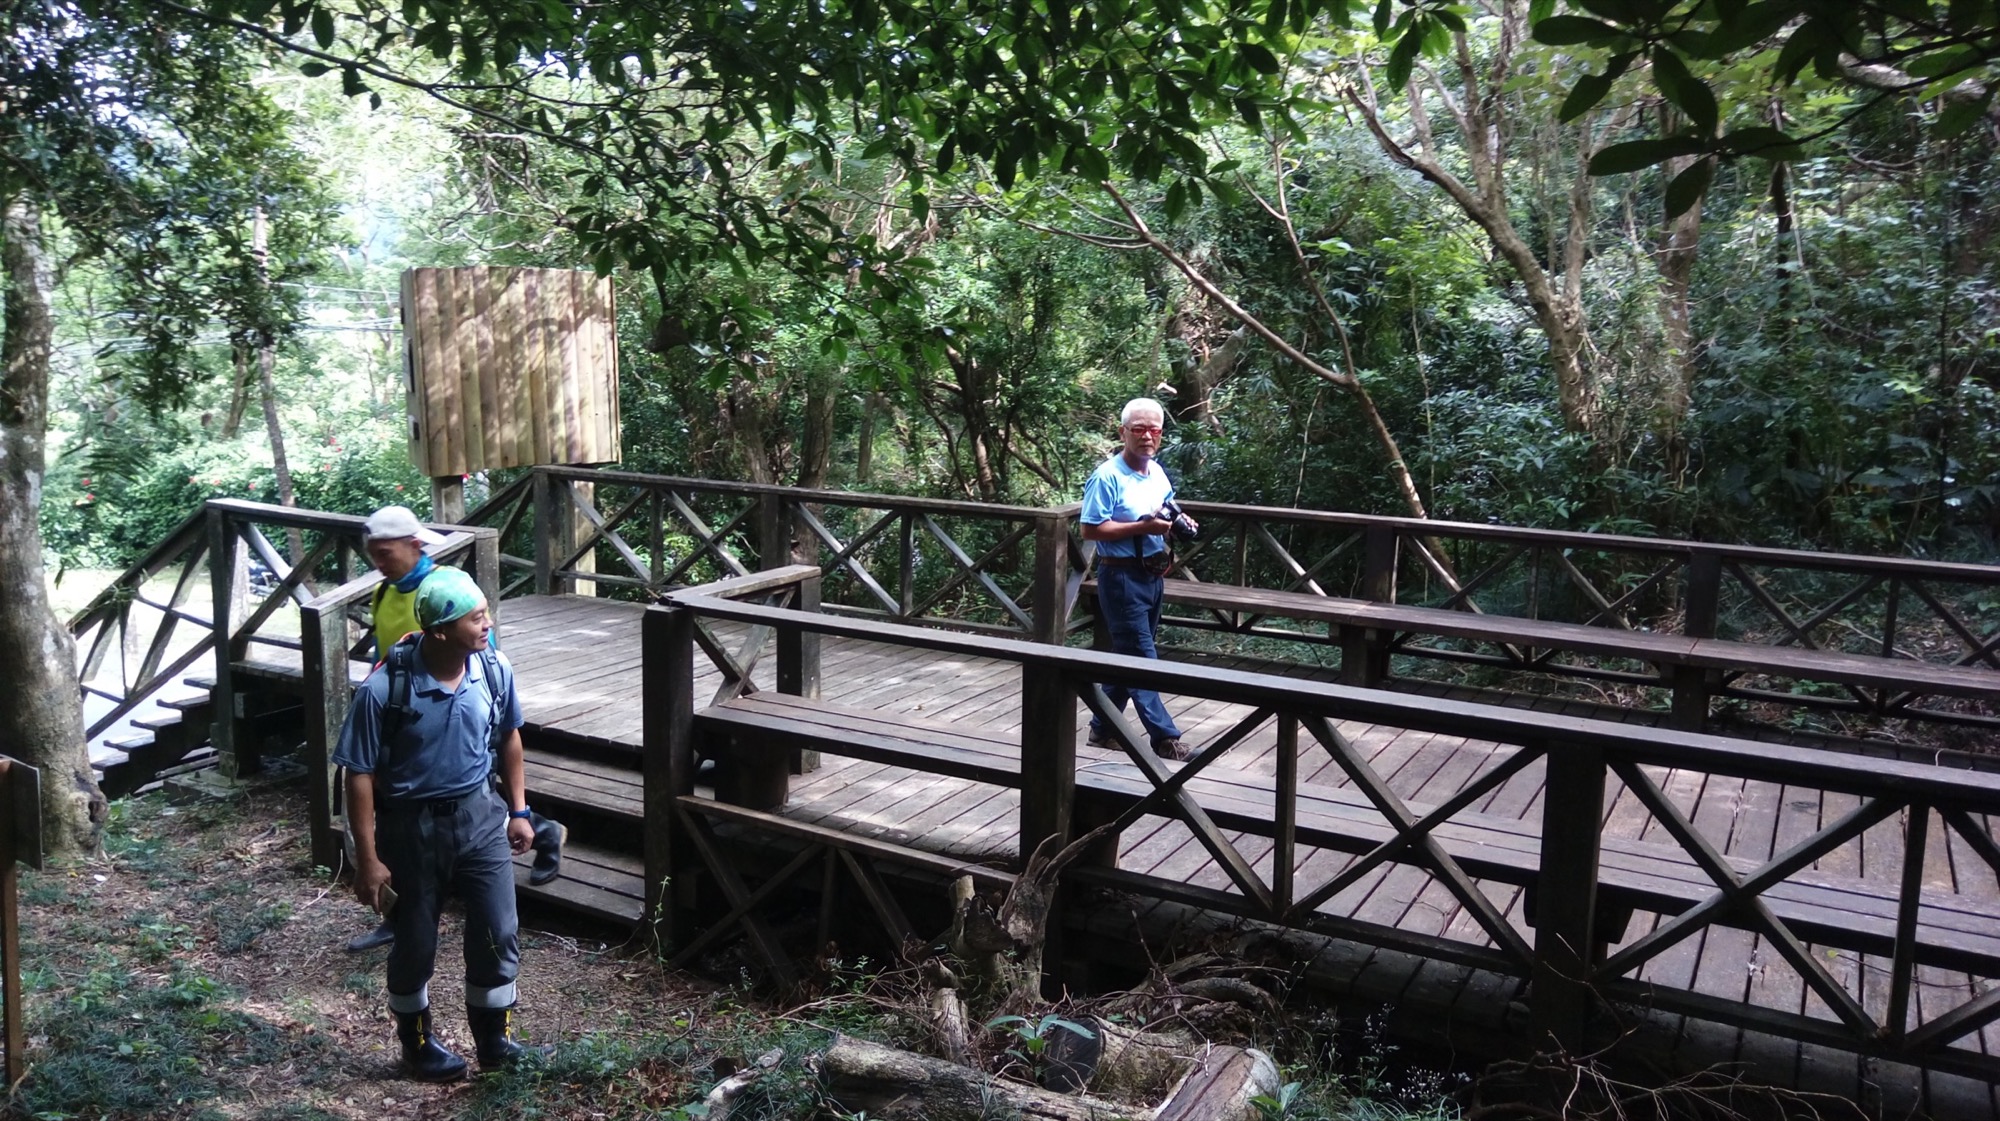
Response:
column 1222, row 1085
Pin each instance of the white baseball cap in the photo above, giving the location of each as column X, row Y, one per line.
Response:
column 394, row 522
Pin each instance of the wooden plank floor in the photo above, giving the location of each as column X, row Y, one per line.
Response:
column 578, row 666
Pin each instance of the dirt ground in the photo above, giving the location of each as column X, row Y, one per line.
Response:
column 197, row 969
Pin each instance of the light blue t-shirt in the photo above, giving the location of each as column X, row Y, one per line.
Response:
column 1116, row 493
column 444, row 751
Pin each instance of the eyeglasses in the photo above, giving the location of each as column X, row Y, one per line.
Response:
column 1144, row 429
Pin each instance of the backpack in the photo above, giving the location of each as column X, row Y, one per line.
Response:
column 397, row 710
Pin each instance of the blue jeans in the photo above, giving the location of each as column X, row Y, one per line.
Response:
column 1129, row 599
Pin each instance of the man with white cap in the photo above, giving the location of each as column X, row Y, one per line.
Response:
column 427, row 820
column 395, row 540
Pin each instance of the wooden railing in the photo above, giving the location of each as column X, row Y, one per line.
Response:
column 1940, row 613
column 1896, row 958
column 333, row 634
column 20, row 843
column 971, row 566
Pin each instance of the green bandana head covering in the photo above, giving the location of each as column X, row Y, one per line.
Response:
column 447, row 594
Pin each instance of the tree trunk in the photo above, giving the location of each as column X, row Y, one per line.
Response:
column 892, row 1085
column 1678, row 247
column 42, row 722
column 239, row 390
column 267, row 360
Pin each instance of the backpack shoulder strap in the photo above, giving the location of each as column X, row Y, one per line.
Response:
column 489, row 662
column 396, row 710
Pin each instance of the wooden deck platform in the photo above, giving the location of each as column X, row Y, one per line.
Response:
column 578, row 662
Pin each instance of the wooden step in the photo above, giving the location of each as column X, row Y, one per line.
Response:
column 602, row 884
column 555, row 779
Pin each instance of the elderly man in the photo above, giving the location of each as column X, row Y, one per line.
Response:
column 420, row 753
column 1122, row 513
column 395, row 540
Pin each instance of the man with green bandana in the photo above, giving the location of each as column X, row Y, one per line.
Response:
column 395, row 542
column 427, row 820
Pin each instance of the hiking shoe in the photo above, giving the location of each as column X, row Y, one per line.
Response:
column 1172, row 749
column 1100, row 738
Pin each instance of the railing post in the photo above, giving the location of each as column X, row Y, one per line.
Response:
column 1364, row 651
column 486, row 564
column 1701, row 603
column 1565, row 904
column 226, row 593
column 545, row 528
column 667, row 763
column 798, row 664
column 323, row 651
column 1048, row 755
column 1051, row 579
column 774, row 530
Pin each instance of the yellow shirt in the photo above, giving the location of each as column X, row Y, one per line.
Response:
column 395, row 616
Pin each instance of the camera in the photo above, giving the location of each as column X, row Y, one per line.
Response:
column 1184, row 531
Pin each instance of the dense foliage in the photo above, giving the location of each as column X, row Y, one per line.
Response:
column 948, row 307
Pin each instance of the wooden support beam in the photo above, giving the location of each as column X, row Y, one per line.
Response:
column 1048, row 755
column 1561, row 1000
column 667, row 763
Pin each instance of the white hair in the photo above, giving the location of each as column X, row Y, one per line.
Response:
column 1139, row 406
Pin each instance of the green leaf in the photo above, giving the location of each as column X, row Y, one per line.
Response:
column 322, row 27
column 1384, row 12
column 1585, row 94
column 1539, row 10
column 313, row 69
column 1246, row 107
column 1260, row 58
column 1635, row 154
column 1404, row 57
column 350, row 81
column 1685, row 90
column 1568, row 31
column 1688, row 187
column 1176, row 201
column 1762, row 142
column 1960, row 114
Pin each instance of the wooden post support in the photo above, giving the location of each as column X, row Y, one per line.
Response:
column 578, row 531
column 799, row 664
column 1050, row 588
column 1702, row 596
column 226, row 601
column 1378, row 564
column 546, row 538
column 667, row 762
column 448, row 499
column 323, row 650
column 1048, row 756
column 20, row 799
column 774, row 529
column 1566, row 897
column 486, row 563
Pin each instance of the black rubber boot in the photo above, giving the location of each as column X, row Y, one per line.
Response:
column 380, row 936
column 492, row 1036
column 424, row 1058
column 550, row 836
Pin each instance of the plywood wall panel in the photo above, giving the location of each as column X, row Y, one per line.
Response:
column 509, row 367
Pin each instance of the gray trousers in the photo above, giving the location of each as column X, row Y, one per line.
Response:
column 434, row 849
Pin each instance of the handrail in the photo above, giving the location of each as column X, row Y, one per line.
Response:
column 1611, row 542
column 1579, row 873
column 869, row 499
column 1978, row 791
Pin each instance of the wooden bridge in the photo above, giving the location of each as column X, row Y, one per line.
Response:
column 907, row 702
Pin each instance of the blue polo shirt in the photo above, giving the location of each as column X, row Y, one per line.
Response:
column 444, row 750
column 1116, row 493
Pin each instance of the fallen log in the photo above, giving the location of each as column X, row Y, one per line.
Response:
column 892, row 1085
column 1222, row 1087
